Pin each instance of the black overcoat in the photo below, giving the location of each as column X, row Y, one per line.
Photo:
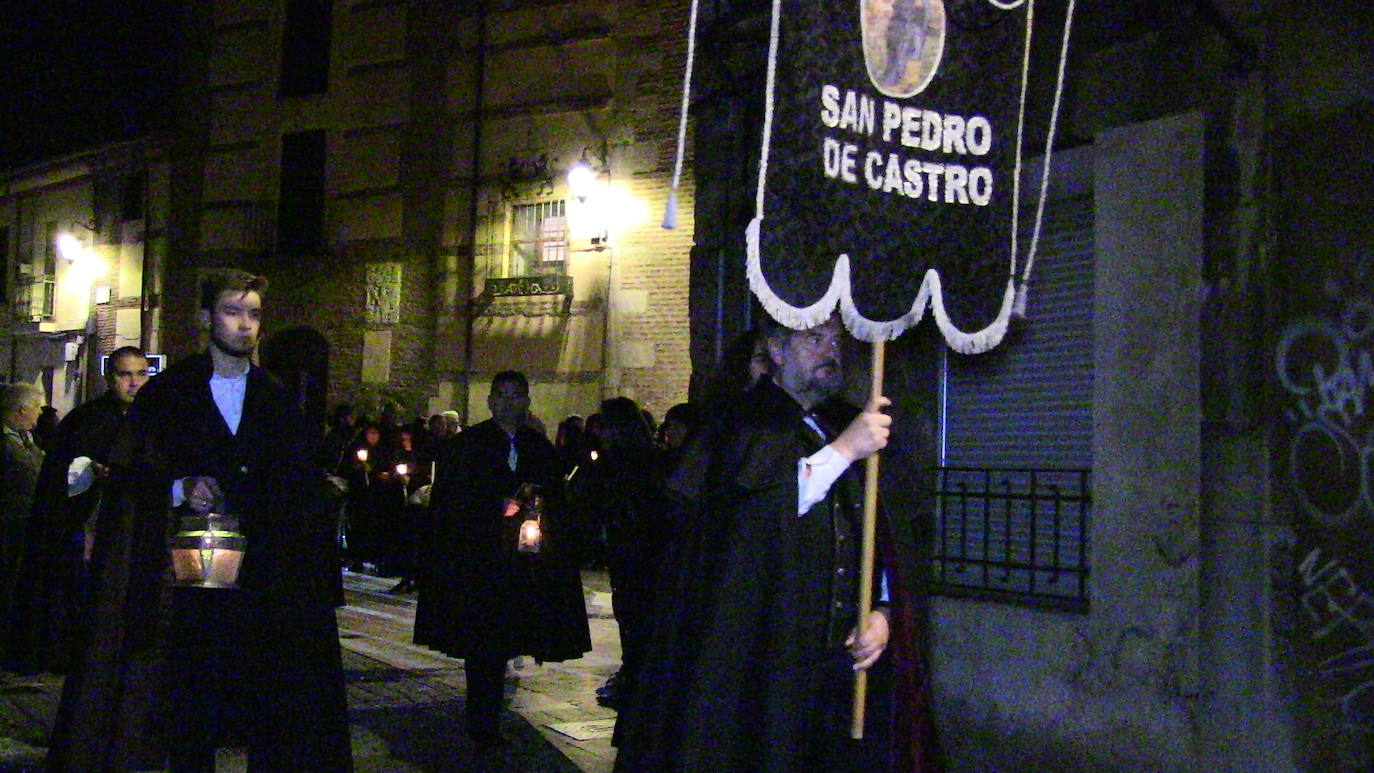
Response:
column 51, row 592
column 478, row 596
column 281, row 624
column 741, row 603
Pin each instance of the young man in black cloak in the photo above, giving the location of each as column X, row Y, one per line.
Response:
column 754, row 648
column 170, row 673
column 480, row 599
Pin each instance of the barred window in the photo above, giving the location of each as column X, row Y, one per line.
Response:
column 536, row 240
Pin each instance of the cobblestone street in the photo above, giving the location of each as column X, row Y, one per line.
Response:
column 406, row 702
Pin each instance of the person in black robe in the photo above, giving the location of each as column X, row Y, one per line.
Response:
column 366, row 468
column 54, row 588
column 480, row 599
column 754, row 649
column 621, row 493
column 171, row 672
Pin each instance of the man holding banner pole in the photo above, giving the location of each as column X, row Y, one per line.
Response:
column 756, row 647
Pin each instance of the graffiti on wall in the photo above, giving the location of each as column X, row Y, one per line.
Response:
column 1325, row 372
column 1325, row 367
column 1342, row 613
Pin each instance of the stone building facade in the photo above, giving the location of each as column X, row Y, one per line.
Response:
column 382, row 160
column 81, row 239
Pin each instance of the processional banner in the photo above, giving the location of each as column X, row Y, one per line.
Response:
column 890, row 171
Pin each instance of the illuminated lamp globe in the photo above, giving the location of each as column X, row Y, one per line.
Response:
column 581, row 180
column 69, row 247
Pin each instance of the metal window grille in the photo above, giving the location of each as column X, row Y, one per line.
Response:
column 1013, row 535
column 537, row 243
column 35, row 298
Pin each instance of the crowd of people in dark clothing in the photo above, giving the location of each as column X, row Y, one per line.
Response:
column 412, row 502
column 386, row 469
column 612, row 463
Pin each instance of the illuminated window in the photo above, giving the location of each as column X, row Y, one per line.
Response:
column 536, row 240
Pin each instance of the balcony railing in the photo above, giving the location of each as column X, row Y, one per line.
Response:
column 35, row 298
column 1013, row 535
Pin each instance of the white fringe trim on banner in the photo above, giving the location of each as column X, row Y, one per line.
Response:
column 1014, row 297
column 863, row 328
column 785, row 313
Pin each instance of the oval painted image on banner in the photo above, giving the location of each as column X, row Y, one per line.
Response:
column 903, row 41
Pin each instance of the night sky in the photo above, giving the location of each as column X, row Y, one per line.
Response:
column 79, row 73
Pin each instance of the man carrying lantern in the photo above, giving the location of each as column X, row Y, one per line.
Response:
column 501, row 581
column 172, row 671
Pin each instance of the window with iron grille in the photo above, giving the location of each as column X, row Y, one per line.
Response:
column 35, row 298
column 536, row 240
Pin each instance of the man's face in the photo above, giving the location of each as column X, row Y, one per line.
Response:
column 508, row 402
column 27, row 415
column 127, row 375
column 807, row 362
column 675, row 434
column 235, row 321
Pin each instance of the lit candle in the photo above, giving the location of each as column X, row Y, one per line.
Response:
column 402, row 468
column 529, row 537
column 362, row 454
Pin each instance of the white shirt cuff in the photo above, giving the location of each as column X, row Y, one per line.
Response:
column 816, row 474
column 178, row 492
column 80, row 476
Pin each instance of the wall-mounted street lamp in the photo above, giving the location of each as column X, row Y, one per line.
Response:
column 582, row 175
column 581, row 179
column 70, row 246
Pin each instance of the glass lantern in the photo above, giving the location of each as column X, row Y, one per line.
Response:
column 207, row 551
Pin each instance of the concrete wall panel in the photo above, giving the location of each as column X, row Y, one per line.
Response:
column 365, row 217
column 370, row 36
column 365, row 160
column 236, row 56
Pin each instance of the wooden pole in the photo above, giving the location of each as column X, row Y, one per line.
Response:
column 856, row 729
